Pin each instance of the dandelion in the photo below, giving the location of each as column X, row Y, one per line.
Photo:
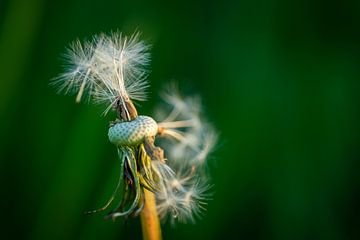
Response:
column 161, row 161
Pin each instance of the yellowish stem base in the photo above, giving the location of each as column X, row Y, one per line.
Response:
column 149, row 218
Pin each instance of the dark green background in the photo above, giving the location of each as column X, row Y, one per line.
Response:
column 279, row 79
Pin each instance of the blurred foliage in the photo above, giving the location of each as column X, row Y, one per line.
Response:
column 279, row 79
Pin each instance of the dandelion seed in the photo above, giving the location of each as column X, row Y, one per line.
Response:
column 112, row 69
column 194, row 138
column 107, row 68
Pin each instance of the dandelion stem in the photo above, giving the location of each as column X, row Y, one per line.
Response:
column 149, row 218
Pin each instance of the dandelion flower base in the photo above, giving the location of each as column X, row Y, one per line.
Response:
column 134, row 132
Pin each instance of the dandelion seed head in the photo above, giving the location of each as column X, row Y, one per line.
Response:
column 182, row 199
column 106, row 68
column 189, row 139
column 112, row 69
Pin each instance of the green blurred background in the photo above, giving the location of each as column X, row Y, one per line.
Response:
column 279, row 79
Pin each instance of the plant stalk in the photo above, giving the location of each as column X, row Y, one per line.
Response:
column 149, row 218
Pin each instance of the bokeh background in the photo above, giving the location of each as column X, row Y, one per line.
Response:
column 280, row 80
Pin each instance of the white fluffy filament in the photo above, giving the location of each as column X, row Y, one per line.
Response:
column 106, row 69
